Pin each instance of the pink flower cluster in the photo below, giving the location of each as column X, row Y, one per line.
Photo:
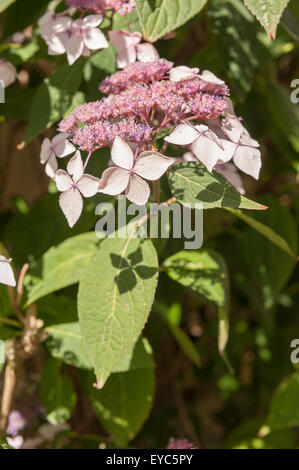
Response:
column 147, row 102
column 101, row 6
column 142, row 101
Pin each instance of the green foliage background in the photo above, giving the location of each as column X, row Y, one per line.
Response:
column 213, row 363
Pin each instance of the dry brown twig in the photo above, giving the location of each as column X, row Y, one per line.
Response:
column 19, row 349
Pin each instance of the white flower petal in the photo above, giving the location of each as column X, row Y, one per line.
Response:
column 92, row 21
column 228, row 151
column 189, row 157
column 61, row 146
column 45, row 152
column 138, row 190
column 230, row 172
column 122, row 39
column 114, row 181
column 183, row 134
column 48, row 16
column 75, row 166
column 122, row 154
column 71, row 204
column 182, row 73
column 233, row 128
column 94, row 39
column 63, row 181
column 209, row 77
column 74, row 47
column 125, row 57
column 6, row 273
column 248, row 159
column 206, row 151
column 88, row 185
column 152, row 165
column 51, row 167
column 57, row 44
column 146, row 52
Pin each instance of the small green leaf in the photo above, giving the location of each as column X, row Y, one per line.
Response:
column 116, row 293
column 205, row 272
column 284, row 410
column 159, row 17
column 61, row 267
column 268, row 13
column 190, row 182
column 265, row 230
column 57, row 393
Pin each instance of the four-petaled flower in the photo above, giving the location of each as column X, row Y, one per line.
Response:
column 203, row 142
column 130, row 173
column 58, row 147
column 73, row 184
column 85, row 36
column 129, row 49
column 6, row 273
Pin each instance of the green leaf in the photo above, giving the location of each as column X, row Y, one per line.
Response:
column 190, row 182
column 290, row 24
column 205, row 272
column 116, row 293
column 61, row 267
column 123, row 417
column 57, row 393
column 265, row 267
column 183, row 340
column 65, row 343
column 13, row 21
column 268, row 13
column 238, row 46
column 159, row 17
column 265, row 230
column 53, row 98
column 5, row 4
column 284, row 410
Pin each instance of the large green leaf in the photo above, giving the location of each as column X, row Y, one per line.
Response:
column 239, row 48
column 53, row 98
column 205, row 272
column 116, row 293
column 191, row 182
column 134, row 388
column 65, row 343
column 284, row 410
column 268, row 13
column 56, row 392
column 265, row 267
column 159, row 17
column 61, row 267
